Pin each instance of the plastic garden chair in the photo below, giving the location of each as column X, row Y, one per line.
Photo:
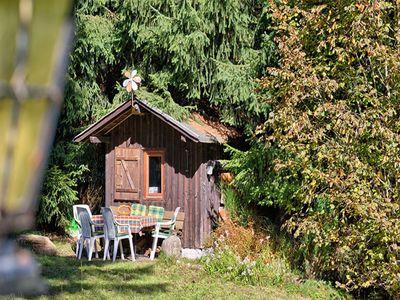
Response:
column 111, row 233
column 75, row 210
column 138, row 209
column 157, row 212
column 88, row 235
column 76, row 217
column 163, row 230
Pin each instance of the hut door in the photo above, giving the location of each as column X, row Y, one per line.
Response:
column 127, row 173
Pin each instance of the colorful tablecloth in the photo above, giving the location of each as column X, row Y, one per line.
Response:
column 136, row 223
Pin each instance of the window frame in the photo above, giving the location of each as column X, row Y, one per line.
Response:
column 146, row 155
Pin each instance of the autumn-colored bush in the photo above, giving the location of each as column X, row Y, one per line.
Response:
column 328, row 156
column 243, row 241
column 253, row 255
column 244, row 254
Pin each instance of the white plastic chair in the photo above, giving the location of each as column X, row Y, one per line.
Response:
column 163, row 230
column 75, row 210
column 111, row 233
column 88, row 235
column 76, row 217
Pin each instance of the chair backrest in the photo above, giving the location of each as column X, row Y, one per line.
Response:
column 75, row 210
column 170, row 230
column 157, row 212
column 173, row 220
column 138, row 209
column 180, row 218
column 84, row 221
column 109, row 223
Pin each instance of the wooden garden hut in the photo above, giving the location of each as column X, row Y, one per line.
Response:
column 153, row 159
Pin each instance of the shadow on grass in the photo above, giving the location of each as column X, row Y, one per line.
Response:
column 71, row 276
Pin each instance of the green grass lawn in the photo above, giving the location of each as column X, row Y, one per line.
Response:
column 69, row 278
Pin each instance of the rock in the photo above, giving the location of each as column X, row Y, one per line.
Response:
column 38, row 244
column 193, row 253
column 172, row 246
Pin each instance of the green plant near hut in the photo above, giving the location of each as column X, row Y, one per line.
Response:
column 59, row 195
column 329, row 157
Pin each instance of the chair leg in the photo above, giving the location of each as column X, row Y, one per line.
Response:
column 132, row 249
column 115, row 249
column 95, row 249
column 121, row 250
column 77, row 249
column 78, row 239
column 134, row 242
column 92, row 243
column 87, row 247
column 106, row 243
column 153, row 249
column 81, row 241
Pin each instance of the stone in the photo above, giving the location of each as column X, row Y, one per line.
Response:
column 194, row 253
column 172, row 246
column 41, row 245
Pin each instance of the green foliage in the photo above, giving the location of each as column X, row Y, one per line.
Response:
column 166, row 104
column 328, row 155
column 233, row 268
column 253, row 176
column 186, row 52
column 58, row 196
column 199, row 50
column 238, row 211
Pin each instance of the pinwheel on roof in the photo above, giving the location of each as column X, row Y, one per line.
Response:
column 132, row 83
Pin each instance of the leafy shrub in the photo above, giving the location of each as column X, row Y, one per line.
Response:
column 243, row 254
column 328, row 155
column 243, row 241
column 58, row 195
column 238, row 211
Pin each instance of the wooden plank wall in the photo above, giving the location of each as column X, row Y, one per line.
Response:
column 186, row 182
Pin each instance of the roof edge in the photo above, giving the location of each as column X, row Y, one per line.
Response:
column 85, row 134
column 91, row 130
column 171, row 121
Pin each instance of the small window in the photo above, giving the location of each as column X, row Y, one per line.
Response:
column 154, row 174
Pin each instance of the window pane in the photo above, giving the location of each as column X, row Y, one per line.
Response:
column 154, row 174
